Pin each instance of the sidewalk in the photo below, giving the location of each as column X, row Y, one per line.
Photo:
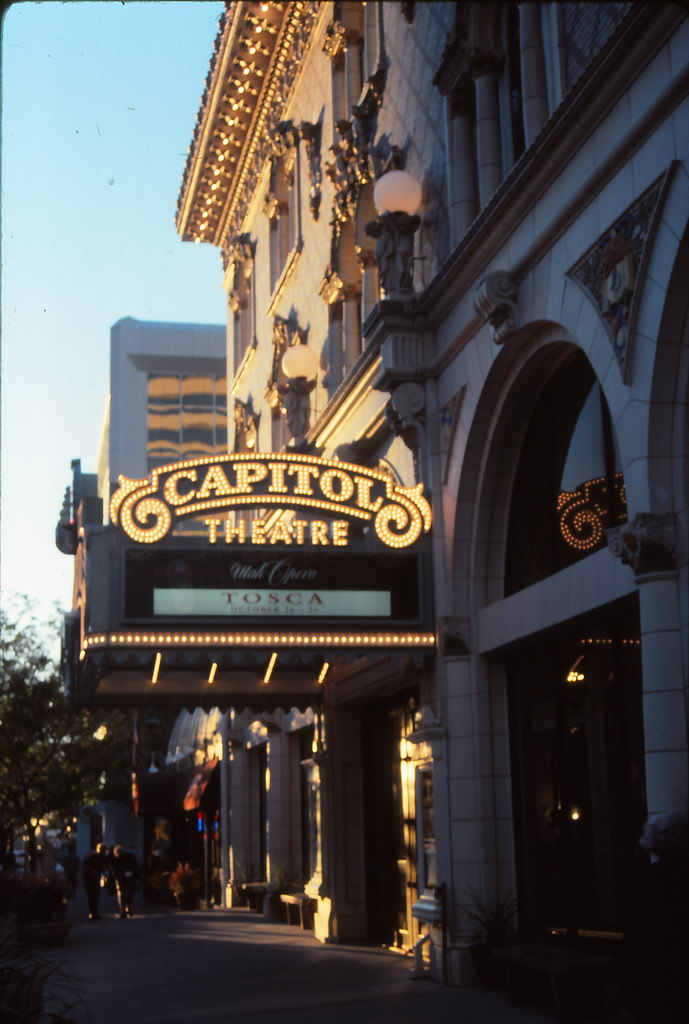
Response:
column 206, row 967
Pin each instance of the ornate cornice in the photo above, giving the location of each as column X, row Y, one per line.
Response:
column 258, row 53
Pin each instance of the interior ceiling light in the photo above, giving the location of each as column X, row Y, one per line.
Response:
column 156, row 668
column 270, row 667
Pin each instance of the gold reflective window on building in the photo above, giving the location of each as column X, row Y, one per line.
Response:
column 187, row 417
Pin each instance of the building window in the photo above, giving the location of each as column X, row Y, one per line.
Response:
column 281, row 204
column 242, row 300
column 569, row 486
column 577, row 744
column 335, row 370
column 187, row 417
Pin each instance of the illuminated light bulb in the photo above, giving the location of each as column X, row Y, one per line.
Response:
column 397, row 192
column 299, row 361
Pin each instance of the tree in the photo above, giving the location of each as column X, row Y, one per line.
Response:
column 50, row 760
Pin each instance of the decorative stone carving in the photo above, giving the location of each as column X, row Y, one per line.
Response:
column 453, row 636
column 332, row 288
column 246, row 423
column 311, row 134
column 496, row 302
column 408, row 400
column 335, row 42
column 403, row 355
column 449, row 417
column 280, row 343
column 647, row 543
column 348, row 171
column 453, row 65
column 290, row 397
column 481, row 61
column 284, row 139
column 296, row 405
column 404, row 413
column 427, row 726
column 610, row 269
column 394, row 234
column 239, row 256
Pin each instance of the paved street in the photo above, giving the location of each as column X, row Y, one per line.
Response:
column 163, row 966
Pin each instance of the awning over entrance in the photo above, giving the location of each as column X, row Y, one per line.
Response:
column 191, row 623
column 171, row 792
column 209, row 670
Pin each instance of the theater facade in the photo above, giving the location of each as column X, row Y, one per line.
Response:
column 439, row 581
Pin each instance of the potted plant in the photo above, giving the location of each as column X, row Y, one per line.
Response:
column 494, row 925
column 185, row 885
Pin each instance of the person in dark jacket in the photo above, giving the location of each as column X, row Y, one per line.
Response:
column 95, row 871
column 126, row 871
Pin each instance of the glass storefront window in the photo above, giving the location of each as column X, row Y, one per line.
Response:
column 578, row 769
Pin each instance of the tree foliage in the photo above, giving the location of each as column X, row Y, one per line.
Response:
column 50, row 761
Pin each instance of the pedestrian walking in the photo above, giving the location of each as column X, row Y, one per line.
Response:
column 95, row 877
column 125, row 870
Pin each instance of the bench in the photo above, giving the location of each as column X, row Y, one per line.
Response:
column 581, row 983
column 303, row 905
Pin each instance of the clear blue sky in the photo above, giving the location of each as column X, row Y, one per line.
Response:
column 99, row 103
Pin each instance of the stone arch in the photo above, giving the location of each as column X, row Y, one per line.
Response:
column 489, row 463
column 668, row 429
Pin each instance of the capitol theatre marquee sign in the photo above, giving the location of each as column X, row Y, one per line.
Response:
column 248, row 611
column 148, row 509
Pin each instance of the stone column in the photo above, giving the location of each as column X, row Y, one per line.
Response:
column 463, row 198
column 664, row 700
column 647, row 544
column 240, row 854
column 281, row 809
column 488, row 148
column 534, row 92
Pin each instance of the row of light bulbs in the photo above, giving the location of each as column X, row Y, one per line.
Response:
column 96, row 640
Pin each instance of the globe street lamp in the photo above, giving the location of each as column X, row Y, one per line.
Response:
column 299, row 365
column 397, row 197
